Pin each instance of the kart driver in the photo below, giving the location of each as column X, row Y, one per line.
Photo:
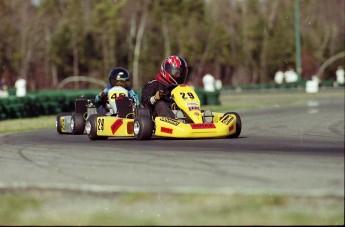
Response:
column 117, row 77
column 174, row 70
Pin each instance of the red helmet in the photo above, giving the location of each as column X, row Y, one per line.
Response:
column 174, row 70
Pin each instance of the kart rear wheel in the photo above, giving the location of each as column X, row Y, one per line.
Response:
column 58, row 123
column 238, row 125
column 91, row 128
column 77, row 123
column 143, row 127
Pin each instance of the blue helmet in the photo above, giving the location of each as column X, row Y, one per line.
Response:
column 118, row 74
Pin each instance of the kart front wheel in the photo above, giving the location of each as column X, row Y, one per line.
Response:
column 91, row 128
column 238, row 125
column 143, row 127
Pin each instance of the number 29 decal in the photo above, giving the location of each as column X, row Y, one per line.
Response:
column 188, row 95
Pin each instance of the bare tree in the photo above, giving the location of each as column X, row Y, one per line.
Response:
column 140, row 33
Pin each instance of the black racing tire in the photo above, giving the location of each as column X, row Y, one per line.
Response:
column 238, row 125
column 77, row 124
column 91, row 128
column 143, row 127
column 57, row 123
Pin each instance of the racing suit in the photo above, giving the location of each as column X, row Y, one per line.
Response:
column 103, row 95
column 157, row 107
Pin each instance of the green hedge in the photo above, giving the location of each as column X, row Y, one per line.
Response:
column 50, row 102
column 44, row 102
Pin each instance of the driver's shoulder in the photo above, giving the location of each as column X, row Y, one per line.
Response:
column 152, row 81
column 152, row 84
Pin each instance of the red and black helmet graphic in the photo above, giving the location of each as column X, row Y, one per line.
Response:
column 174, row 70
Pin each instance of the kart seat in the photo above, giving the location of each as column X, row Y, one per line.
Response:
column 80, row 105
column 124, row 107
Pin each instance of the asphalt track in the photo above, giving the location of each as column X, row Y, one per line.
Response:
column 294, row 150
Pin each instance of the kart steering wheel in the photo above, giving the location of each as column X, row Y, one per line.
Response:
column 171, row 87
column 167, row 93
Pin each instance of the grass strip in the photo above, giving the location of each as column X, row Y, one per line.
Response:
column 44, row 207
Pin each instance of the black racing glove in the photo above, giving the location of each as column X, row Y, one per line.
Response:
column 103, row 96
column 159, row 94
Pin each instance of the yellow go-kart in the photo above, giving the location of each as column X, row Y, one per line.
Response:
column 116, row 119
column 117, row 122
column 190, row 121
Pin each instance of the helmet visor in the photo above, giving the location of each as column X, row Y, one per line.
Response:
column 119, row 82
column 173, row 71
column 178, row 73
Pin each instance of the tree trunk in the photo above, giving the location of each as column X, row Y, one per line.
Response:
column 263, row 74
column 165, row 30
column 131, row 36
column 75, row 64
column 104, row 53
column 136, row 82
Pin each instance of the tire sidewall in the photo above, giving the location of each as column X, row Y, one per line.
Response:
column 79, row 123
column 238, row 125
column 145, row 127
column 92, row 120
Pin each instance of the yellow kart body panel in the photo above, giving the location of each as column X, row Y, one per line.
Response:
column 220, row 127
column 114, row 126
column 65, row 124
column 188, row 101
